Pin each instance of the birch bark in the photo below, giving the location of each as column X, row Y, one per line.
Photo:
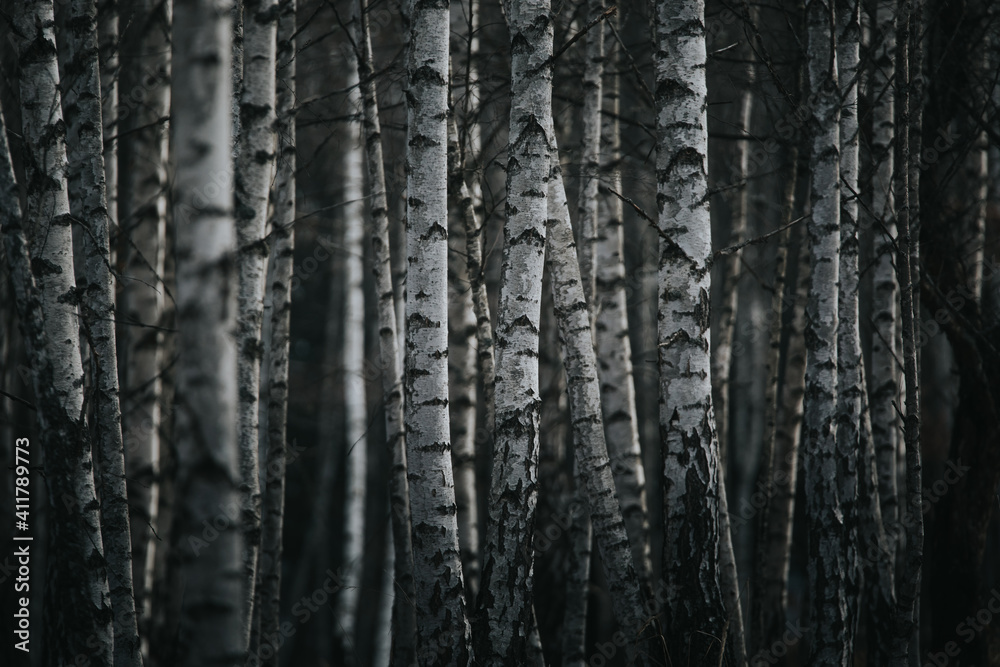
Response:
column 254, row 167
column 505, row 600
column 208, row 475
column 443, row 634
column 404, row 620
column 696, row 615
column 590, row 168
column 107, row 32
column 88, row 205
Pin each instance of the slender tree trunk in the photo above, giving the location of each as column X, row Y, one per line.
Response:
column 74, row 584
column 107, row 39
column 86, row 178
column 696, row 614
column 352, row 354
column 614, row 349
column 211, row 574
column 443, row 633
column 254, row 170
column 282, row 257
column 404, row 620
column 850, row 372
column 587, row 209
column 505, row 602
column 827, row 534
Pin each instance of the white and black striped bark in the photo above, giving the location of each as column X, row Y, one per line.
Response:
column 254, row 168
column 86, row 179
column 443, row 633
column 282, row 258
column 503, row 620
column 696, row 615
column 613, row 346
column 107, row 42
column 211, row 573
column 827, row 535
column 404, row 619
column 352, row 355
column 77, row 598
column 590, row 158
column 590, row 451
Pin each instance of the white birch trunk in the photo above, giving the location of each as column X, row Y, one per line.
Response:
column 443, row 634
column 211, row 574
column 696, row 615
column 254, row 170
column 282, row 259
column 352, row 355
column 107, row 32
column 505, row 600
column 827, row 565
column 86, row 178
column 590, row 158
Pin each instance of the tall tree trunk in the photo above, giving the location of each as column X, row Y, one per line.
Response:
column 443, row 635
column 696, row 614
column 282, row 258
column 74, row 583
column 827, row 535
column 86, row 178
column 352, row 354
column 404, row 619
column 850, row 372
column 613, row 347
column 505, row 601
column 107, row 42
column 210, row 573
column 254, row 170
column 590, row 168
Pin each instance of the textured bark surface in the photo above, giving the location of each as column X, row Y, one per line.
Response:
column 143, row 221
column 590, row 158
column 696, row 620
column 107, row 43
column 827, row 564
column 504, row 614
column 282, row 259
column 210, row 572
column 88, row 205
column 403, row 614
column 254, row 167
column 611, row 336
column 443, row 634
column 76, row 582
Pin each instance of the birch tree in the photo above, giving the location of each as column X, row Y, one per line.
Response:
column 404, row 620
column 503, row 621
column 107, row 43
column 208, row 473
column 88, row 205
column 696, row 616
column 590, row 171
column 42, row 277
column 443, row 633
column 254, row 170
column 282, row 257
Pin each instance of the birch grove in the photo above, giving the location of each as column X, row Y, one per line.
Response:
column 500, row 333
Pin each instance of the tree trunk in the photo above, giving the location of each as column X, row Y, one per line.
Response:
column 443, row 633
column 590, row 168
column 86, row 178
column 254, row 170
column 505, row 601
column 282, row 258
column 696, row 614
column 827, row 535
column 210, row 572
column 107, row 42
column 404, row 620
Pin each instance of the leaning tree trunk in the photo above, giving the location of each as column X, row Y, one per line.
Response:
column 443, row 635
column 78, row 601
column 850, row 373
column 696, row 614
column 352, row 354
column 282, row 257
column 254, row 171
column 505, row 601
column 211, row 574
column 404, row 620
column 86, row 178
column 614, row 349
column 827, row 537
